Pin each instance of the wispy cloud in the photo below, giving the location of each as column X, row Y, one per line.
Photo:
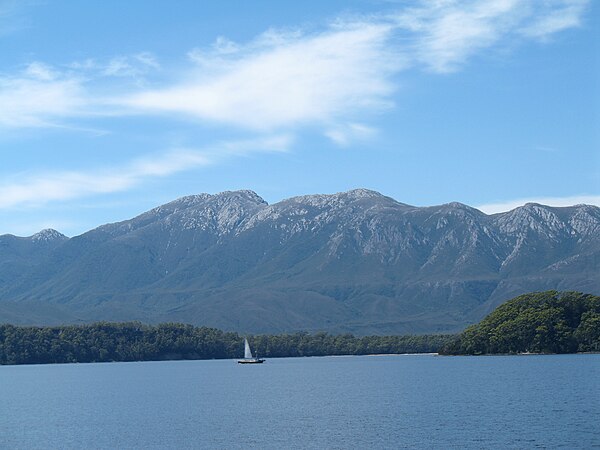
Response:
column 283, row 80
column 59, row 186
column 344, row 134
column 446, row 33
column 347, row 71
column 135, row 66
column 493, row 208
column 39, row 95
column 556, row 15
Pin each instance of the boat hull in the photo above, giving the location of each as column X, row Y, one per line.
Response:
column 251, row 361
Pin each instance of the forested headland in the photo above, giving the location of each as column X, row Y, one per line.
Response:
column 133, row 341
column 541, row 322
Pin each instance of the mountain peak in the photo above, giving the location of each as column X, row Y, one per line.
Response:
column 190, row 200
column 460, row 206
column 457, row 205
column 246, row 194
column 48, row 235
column 362, row 193
column 534, row 207
column 337, row 199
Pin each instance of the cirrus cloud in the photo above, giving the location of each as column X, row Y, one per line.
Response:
column 38, row 96
column 43, row 188
column 283, row 80
column 290, row 81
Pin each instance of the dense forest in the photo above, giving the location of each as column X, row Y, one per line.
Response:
column 541, row 322
column 134, row 341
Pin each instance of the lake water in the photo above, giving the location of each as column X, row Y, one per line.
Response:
column 417, row 401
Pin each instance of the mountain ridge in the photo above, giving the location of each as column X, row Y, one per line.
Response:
column 354, row 261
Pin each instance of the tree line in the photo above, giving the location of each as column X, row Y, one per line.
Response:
column 540, row 322
column 543, row 322
column 134, row 341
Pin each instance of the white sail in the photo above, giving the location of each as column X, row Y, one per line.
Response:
column 247, row 351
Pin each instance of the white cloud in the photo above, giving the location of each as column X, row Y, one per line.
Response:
column 345, row 134
column 294, row 81
column 40, row 71
column 559, row 15
column 128, row 66
column 287, row 79
column 39, row 96
column 225, row 46
column 147, row 59
column 444, row 34
column 283, row 80
column 493, row 208
column 119, row 67
column 447, row 33
column 67, row 185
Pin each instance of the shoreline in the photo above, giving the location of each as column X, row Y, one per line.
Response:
column 294, row 357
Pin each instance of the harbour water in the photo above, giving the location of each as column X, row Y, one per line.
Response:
column 403, row 401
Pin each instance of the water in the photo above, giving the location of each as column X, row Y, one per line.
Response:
column 334, row 402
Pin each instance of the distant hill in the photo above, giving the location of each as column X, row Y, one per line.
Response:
column 355, row 262
column 542, row 322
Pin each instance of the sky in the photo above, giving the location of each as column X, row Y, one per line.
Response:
column 110, row 108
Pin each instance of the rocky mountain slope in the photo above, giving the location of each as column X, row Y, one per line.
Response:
column 355, row 261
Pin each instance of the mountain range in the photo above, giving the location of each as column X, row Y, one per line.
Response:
column 355, row 261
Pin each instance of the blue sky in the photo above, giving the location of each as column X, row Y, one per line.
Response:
column 109, row 108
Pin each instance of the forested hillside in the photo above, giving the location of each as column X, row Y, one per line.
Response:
column 103, row 342
column 543, row 322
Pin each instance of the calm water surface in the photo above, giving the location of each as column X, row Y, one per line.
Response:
column 333, row 402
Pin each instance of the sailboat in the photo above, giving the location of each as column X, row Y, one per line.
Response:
column 248, row 358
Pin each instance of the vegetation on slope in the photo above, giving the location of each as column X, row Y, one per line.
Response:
column 544, row 322
column 134, row 341
column 541, row 322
